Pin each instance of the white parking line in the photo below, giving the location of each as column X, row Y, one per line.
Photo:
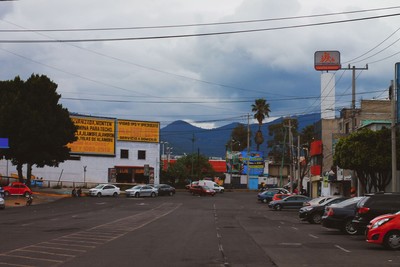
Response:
column 313, row 236
column 343, row 249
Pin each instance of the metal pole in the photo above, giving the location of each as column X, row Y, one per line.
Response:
column 248, row 150
column 393, row 137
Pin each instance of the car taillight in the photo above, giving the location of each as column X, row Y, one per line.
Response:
column 362, row 210
column 330, row 212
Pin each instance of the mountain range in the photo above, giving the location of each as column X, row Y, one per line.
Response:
column 184, row 138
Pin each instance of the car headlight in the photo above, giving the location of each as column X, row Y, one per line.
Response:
column 380, row 223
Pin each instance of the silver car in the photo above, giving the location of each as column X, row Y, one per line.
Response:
column 2, row 203
column 141, row 191
column 104, row 190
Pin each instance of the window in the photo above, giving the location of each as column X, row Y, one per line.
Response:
column 141, row 154
column 124, row 154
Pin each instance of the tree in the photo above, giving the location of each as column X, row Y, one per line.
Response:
column 279, row 144
column 261, row 109
column 238, row 140
column 37, row 126
column 368, row 154
column 181, row 170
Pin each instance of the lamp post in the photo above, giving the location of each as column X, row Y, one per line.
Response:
column 84, row 176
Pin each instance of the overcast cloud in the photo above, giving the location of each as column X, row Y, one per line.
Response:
column 210, row 79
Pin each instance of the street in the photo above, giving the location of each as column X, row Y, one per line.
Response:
column 229, row 229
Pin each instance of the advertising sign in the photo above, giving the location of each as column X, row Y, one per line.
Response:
column 327, row 60
column 138, row 131
column 95, row 136
column 253, row 163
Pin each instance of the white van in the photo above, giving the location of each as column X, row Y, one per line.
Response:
column 212, row 185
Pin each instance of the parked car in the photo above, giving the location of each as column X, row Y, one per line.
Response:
column 141, row 191
column 374, row 205
column 385, row 230
column 2, row 203
column 313, row 213
column 278, row 190
column 165, row 189
column 202, row 190
column 266, row 196
column 188, row 186
column 280, row 196
column 213, row 185
column 104, row 190
column 317, row 201
column 340, row 216
column 1, row 191
column 17, row 188
column 290, row 202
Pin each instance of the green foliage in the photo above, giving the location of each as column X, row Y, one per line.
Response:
column 261, row 110
column 368, row 153
column 190, row 167
column 37, row 126
column 238, row 140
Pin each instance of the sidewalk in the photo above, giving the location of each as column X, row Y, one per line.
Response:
column 44, row 195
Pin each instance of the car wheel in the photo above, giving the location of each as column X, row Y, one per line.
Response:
column 316, row 218
column 278, row 207
column 349, row 227
column 98, row 194
column 170, row 194
column 115, row 194
column 392, row 240
column 6, row 193
column 221, row 191
column 26, row 194
column 264, row 200
column 137, row 195
column 153, row 194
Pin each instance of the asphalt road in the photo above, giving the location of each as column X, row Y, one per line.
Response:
column 230, row 229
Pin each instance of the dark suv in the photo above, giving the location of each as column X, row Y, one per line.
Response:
column 374, row 205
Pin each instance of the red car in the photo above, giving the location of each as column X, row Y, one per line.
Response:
column 385, row 230
column 17, row 188
column 280, row 196
column 201, row 190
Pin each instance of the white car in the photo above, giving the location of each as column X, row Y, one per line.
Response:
column 2, row 203
column 141, row 191
column 104, row 190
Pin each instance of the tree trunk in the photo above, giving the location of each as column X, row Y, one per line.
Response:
column 259, row 139
column 20, row 174
column 28, row 174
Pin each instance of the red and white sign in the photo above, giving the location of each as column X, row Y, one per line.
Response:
column 327, row 60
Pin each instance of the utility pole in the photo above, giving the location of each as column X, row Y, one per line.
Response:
column 354, row 181
column 392, row 89
column 248, row 150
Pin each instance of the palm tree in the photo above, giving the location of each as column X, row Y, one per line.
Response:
column 261, row 109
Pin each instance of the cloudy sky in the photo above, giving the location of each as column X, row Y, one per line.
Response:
column 202, row 61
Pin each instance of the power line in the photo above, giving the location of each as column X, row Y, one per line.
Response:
column 198, row 34
column 198, row 24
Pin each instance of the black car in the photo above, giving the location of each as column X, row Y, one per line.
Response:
column 290, row 202
column 313, row 214
column 373, row 205
column 340, row 216
column 165, row 189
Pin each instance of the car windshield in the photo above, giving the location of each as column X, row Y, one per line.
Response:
column 100, row 186
column 136, row 187
column 348, row 202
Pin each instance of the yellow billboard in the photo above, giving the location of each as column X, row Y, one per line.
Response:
column 95, row 136
column 138, row 131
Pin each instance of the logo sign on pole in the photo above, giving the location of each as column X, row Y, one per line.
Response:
column 327, row 60
column 397, row 88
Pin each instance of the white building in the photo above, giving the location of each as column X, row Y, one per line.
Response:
column 107, row 150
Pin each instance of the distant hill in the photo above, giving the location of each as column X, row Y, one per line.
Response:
column 185, row 138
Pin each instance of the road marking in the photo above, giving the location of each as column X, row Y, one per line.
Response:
column 61, row 249
column 313, row 236
column 343, row 249
column 290, row 244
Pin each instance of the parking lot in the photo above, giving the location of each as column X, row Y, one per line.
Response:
column 229, row 229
